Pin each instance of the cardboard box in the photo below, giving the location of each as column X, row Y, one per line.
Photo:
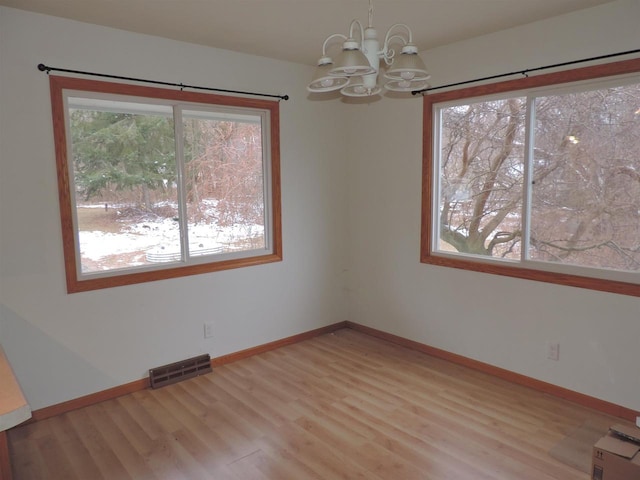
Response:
column 616, row 455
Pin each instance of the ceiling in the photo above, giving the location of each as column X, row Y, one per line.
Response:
column 294, row 30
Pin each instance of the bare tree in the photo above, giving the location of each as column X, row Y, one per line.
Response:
column 224, row 166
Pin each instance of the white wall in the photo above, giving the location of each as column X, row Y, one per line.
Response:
column 498, row 320
column 65, row 346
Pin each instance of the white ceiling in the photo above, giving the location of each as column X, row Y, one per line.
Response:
column 294, row 30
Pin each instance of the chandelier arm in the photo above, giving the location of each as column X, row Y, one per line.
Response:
column 353, row 24
column 331, row 37
column 388, row 36
column 388, row 53
column 398, row 36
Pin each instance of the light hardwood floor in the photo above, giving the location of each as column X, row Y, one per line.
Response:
column 339, row 406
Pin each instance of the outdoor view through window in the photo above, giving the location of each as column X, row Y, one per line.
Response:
column 546, row 179
column 137, row 203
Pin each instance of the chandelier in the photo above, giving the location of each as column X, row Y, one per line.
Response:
column 356, row 69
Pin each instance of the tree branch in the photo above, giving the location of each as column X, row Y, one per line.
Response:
column 502, row 237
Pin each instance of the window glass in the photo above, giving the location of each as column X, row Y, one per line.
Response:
column 585, row 207
column 124, row 177
column 481, row 178
column 224, row 183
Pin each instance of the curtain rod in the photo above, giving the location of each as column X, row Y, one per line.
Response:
column 524, row 72
column 44, row 68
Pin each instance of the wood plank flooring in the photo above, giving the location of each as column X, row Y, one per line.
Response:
column 340, row 406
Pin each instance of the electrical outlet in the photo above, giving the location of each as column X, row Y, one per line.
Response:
column 553, row 351
column 208, row 330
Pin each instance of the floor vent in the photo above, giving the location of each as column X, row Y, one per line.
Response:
column 178, row 371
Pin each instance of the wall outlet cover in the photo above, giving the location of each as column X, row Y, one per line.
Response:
column 208, row 330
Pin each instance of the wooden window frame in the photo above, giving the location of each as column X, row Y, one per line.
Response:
column 59, row 84
column 427, row 256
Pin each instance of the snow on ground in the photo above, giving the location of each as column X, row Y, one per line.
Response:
column 162, row 235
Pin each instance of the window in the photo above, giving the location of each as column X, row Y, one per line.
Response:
column 537, row 178
column 156, row 183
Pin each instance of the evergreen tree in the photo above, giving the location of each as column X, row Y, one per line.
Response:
column 122, row 152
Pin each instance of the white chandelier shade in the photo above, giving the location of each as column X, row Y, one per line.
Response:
column 352, row 61
column 405, row 85
column 408, row 66
column 357, row 68
column 365, row 86
column 323, row 81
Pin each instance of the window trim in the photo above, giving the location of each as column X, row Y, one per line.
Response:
column 59, row 84
column 428, row 178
